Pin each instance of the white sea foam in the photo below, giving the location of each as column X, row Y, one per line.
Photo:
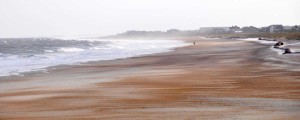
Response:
column 72, row 49
column 298, row 43
column 49, row 51
column 114, row 49
column 260, row 41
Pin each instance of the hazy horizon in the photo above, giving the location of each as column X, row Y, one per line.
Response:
column 45, row 18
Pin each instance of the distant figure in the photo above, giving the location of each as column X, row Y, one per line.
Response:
column 194, row 43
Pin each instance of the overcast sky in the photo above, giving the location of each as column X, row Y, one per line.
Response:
column 32, row 18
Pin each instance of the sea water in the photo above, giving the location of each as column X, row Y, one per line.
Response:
column 19, row 55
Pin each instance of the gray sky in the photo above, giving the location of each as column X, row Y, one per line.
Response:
column 31, row 18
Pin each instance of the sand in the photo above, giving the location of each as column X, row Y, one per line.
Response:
column 214, row 79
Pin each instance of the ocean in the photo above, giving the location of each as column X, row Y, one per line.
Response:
column 20, row 55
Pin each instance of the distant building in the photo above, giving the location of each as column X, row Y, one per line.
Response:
column 250, row 29
column 234, row 28
column 190, row 32
column 296, row 28
column 214, row 30
column 171, row 31
column 238, row 31
column 135, row 33
column 264, row 29
column 276, row 28
column 287, row 28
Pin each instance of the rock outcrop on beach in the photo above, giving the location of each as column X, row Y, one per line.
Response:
column 286, row 50
column 278, row 44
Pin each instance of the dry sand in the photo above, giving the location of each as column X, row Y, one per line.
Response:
column 214, row 79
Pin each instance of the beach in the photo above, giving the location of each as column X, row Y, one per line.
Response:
column 213, row 79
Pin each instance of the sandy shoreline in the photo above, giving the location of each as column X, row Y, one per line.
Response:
column 215, row 79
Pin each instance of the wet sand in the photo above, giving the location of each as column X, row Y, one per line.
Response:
column 214, row 79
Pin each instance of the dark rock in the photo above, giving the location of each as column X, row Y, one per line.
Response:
column 278, row 44
column 287, row 51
